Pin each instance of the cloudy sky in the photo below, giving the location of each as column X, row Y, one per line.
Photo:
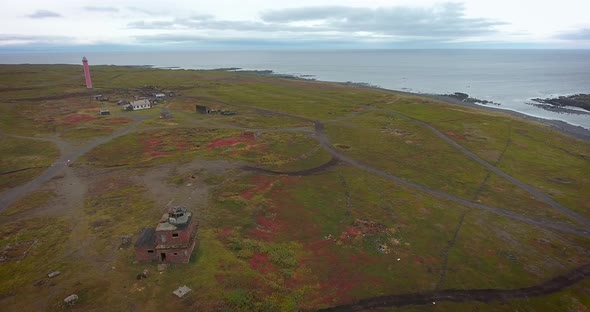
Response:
column 229, row 24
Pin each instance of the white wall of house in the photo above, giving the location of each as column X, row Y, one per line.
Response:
column 141, row 104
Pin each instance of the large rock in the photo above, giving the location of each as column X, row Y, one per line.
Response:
column 71, row 299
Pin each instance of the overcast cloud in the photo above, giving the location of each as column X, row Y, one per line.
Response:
column 582, row 34
column 351, row 23
column 101, row 9
column 44, row 14
column 445, row 21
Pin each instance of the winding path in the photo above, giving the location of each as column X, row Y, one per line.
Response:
column 529, row 188
column 324, row 141
column 484, row 295
column 468, row 295
column 10, row 196
column 321, row 168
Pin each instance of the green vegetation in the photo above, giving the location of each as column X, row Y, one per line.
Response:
column 23, row 159
column 30, row 241
column 378, row 138
column 268, row 241
column 271, row 150
column 30, row 202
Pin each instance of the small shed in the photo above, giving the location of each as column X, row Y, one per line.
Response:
column 203, row 109
column 182, row 291
column 104, row 112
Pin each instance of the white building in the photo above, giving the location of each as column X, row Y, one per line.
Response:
column 139, row 104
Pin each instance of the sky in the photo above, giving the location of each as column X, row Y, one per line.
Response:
column 302, row 24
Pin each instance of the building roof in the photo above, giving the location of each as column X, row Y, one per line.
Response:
column 141, row 102
column 168, row 223
column 182, row 291
column 147, row 238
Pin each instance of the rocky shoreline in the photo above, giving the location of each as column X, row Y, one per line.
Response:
column 577, row 100
column 465, row 98
column 562, row 126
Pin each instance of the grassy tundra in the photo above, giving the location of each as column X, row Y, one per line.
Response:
column 314, row 195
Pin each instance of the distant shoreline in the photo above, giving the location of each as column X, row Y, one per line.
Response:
column 559, row 125
column 578, row 132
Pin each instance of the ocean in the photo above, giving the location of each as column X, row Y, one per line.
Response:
column 508, row 77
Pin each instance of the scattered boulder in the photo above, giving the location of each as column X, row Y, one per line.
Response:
column 53, row 274
column 142, row 275
column 125, row 241
column 71, row 299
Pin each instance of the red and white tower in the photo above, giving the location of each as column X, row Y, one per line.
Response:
column 87, row 73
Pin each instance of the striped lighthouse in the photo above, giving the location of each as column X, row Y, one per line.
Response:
column 87, row 73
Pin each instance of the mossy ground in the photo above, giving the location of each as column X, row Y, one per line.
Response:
column 279, row 242
column 23, row 159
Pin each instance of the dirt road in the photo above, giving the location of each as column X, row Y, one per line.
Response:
column 68, row 152
column 324, row 141
column 529, row 188
column 468, row 295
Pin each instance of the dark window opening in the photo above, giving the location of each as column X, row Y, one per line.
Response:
column 174, row 234
column 150, row 251
column 176, row 254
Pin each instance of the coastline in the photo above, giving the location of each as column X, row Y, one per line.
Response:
column 572, row 130
column 575, row 131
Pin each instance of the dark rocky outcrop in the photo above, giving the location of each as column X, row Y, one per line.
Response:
column 576, row 100
column 464, row 97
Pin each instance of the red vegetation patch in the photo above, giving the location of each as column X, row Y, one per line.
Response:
column 365, row 228
column 225, row 234
column 260, row 263
column 152, row 148
column 340, row 273
column 245, row 138
column 266, row 228
column 351, row 233
column 267, row 224
column 74, row 119
column 262, row 185
column 455, row 135
column 318, row 245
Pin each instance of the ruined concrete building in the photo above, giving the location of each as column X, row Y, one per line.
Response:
column 203, row 109
column 172, row 241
